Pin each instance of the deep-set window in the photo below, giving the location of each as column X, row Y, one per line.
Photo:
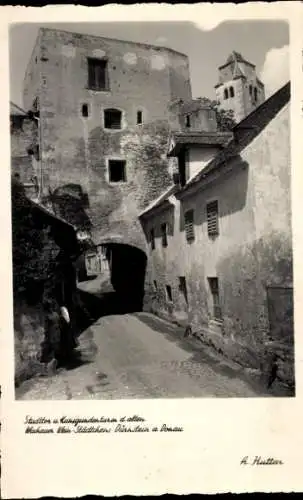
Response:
column 231, row 92
column 183, row 287
column 139, row 117
column 84, row 110
column 36, row 104
column 225, row 94
column 169, row 295
column 214, row 289
column 117, row 170
column 255, row 93
column 113, row 118
column 155, row 285
column 97, row 74
column 189, row 225
column 212, row 218
column 187, row 121
column 152, row 239
column 164, row 234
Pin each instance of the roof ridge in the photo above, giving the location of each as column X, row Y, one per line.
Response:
column 142, row 44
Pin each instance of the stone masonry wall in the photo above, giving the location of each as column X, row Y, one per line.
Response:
column 77, row 149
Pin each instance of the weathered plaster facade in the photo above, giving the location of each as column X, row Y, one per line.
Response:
column 251, row 256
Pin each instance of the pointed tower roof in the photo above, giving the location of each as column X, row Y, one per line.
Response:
column 234, row 58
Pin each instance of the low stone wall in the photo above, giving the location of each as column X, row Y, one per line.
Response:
column 28, row 336
column 273, row 361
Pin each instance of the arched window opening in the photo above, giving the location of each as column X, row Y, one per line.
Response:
column 231, row 92
column 250, row 90
column 187, row 121
column 225, row 94
column 113, row 118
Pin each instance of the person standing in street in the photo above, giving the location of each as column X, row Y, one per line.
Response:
column 51, row 346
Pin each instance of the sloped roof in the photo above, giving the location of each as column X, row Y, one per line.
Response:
column 216, row 138
column 15, row 110
column 160, row 200
column 244, row 133
column 235, row 57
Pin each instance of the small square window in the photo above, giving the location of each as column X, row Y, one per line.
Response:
column 112, row 118
column 189, row 225
column 117, row 170
column 164, row 234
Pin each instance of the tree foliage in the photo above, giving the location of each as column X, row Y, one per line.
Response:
column 225, row 118
column 33, row 250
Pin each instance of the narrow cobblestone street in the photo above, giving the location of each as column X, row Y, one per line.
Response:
column 140, row 356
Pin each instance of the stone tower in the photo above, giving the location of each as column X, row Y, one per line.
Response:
column 239, row 88
column 104, row 125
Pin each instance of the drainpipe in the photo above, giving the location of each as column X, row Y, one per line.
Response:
column 32, row 116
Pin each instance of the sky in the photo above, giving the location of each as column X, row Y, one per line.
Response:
column 264, row 43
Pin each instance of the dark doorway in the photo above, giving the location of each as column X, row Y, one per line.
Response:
column 128, row 267
column 280, row 312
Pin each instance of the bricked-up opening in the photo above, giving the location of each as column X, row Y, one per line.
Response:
column 113, row 119
column 212, row 218
column 152, row 239
column 169, row 295
column 214, row 289
column 84, row 110
column 164, row 234
column 117, row 170
column 98, row 74
column 183, row 287
column 139, row 117
column 189, row 225
column 231, row 92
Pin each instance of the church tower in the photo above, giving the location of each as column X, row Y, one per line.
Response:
column 239, row 88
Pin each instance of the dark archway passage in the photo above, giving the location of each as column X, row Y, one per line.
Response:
column 119, row 292
column 128, row 267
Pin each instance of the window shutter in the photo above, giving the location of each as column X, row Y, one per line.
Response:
column 212, row 218
column 189, row 225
